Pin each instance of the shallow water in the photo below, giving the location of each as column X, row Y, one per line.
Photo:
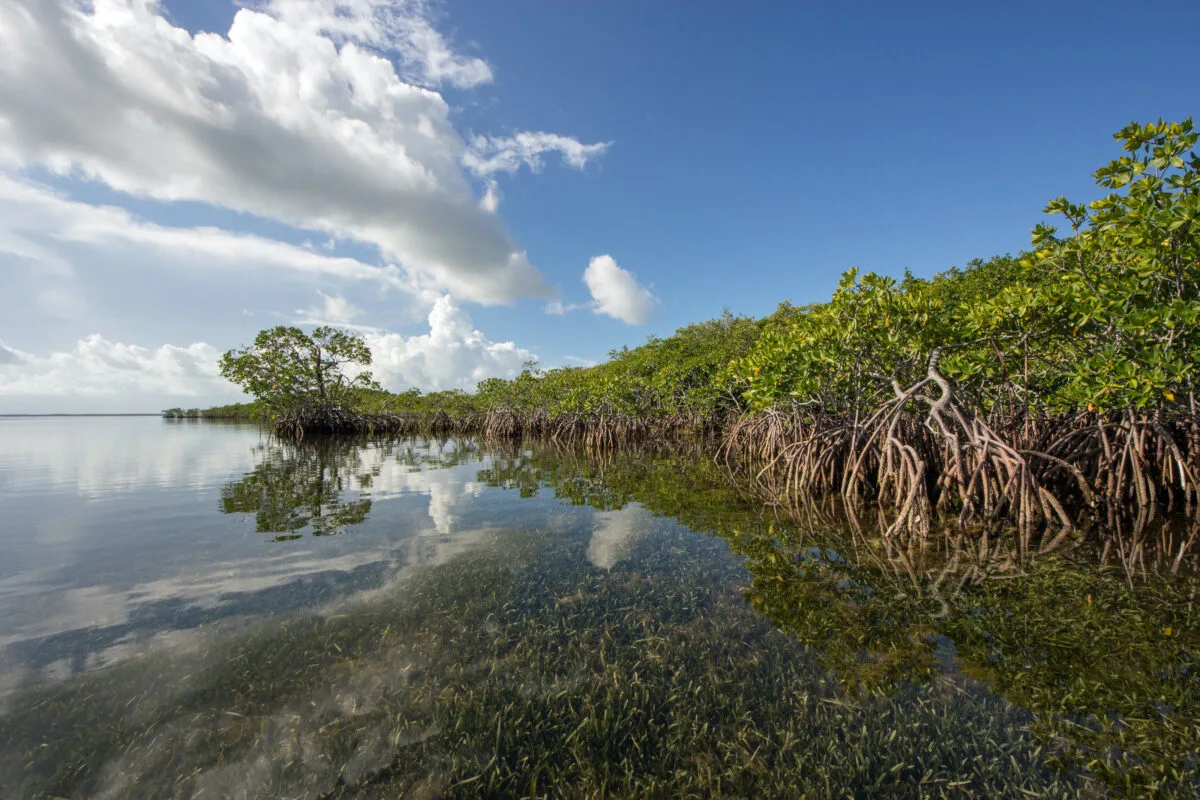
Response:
column 188, row 609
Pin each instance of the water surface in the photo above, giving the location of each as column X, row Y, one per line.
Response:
column 190, row 609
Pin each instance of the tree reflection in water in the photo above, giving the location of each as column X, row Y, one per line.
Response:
column 325, row 484
column 313, row 485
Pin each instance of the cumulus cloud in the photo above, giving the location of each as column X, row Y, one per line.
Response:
column 320, row 114
column 399, row 27
column 489, row 155
column 616, row 293
column 99, row 367
column 453, row 355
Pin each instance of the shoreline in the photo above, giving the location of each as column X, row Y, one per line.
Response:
column 1009, row 477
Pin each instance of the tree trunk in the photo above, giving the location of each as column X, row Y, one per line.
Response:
column 320, row 377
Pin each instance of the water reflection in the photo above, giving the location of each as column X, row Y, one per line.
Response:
column 626, row 623
column 97, row 458
column 615, row 534
column 293, row 487
column 515, row 667
column 133, row 563
column 1097, row 637
column 1109, row 667
column 328, row 485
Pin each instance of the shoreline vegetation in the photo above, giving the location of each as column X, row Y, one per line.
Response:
column 233, row 411
column 1043, row 392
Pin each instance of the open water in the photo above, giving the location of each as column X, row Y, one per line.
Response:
column 191, row 609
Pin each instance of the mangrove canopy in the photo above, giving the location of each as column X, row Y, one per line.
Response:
column 287, row 370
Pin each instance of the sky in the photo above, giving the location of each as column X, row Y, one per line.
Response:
column 471, row 185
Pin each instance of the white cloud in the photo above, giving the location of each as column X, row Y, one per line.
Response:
column 335, row 310
column 556, row 308
column 580, row 362
column 451, row 491
column 399, row 27
column 616, row 293
column 36, row 222
column 489, row 155
column 98, row 367
column 451, row 356
column 298, row 114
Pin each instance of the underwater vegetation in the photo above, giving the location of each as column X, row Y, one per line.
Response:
column 1095, row 636
column 671, row 638
column 517, row 671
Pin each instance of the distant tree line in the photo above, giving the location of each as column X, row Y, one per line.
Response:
column 232, row 411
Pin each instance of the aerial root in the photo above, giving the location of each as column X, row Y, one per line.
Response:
column 923, row 454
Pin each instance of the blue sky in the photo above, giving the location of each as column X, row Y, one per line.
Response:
column 174, row 177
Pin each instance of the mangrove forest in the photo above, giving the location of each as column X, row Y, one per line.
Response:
column 1043, row 391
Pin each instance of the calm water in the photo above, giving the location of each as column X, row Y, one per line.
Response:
column 191, row 610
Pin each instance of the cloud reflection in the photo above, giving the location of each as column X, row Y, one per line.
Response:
column 615, row 533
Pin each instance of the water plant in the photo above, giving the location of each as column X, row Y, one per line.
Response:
column 518, row 671
column 1097, row 638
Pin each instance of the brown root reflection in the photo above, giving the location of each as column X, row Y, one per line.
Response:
column 1145, row 546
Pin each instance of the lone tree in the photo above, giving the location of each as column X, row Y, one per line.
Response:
column 286, row 369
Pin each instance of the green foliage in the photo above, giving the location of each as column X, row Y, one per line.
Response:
column 454, row 402
column 1125, row 288
column 1105, row 318
column 232, row 411
column 682, row 375
column 833, row 355
column 843, row 356
column 286, row 368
